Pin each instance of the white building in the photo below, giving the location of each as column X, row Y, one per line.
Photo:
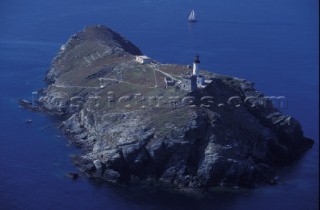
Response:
column 200, row 80
column 195, row 80
column 143, row 59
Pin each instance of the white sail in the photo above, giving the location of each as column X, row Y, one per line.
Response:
column 192, row 17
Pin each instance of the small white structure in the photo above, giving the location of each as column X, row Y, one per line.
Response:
column 200, row 80
column 169, row 81
column 143, row 59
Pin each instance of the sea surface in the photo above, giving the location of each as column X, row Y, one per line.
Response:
column 273, row 43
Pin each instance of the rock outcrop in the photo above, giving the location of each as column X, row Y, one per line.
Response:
column 131, row 128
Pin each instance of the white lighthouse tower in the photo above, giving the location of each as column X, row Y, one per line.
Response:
column 196, row 63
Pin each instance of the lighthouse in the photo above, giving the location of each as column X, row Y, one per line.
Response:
column 196, row 63
column 194, row 81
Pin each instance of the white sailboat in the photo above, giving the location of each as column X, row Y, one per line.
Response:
column 192, row 17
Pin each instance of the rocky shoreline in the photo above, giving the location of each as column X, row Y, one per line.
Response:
column 225, row 134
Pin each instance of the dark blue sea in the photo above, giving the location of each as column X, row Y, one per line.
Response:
column 273, row 43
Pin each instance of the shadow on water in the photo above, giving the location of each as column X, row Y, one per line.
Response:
column 147, row 197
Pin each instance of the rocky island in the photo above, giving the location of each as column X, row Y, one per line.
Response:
column 137, row 121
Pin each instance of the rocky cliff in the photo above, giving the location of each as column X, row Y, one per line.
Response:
column 132, row 127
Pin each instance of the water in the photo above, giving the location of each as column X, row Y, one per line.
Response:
column 271, row 42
